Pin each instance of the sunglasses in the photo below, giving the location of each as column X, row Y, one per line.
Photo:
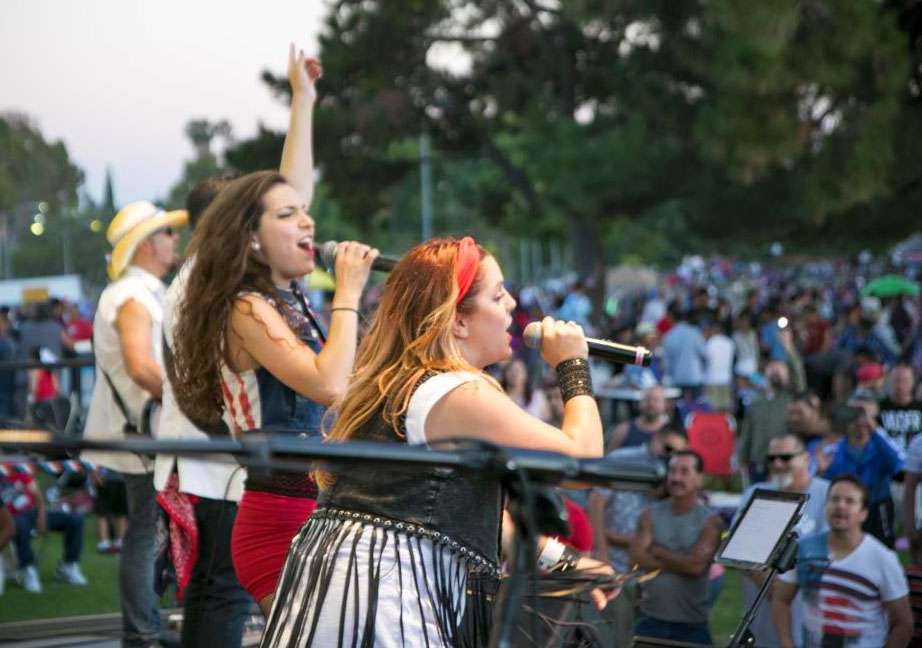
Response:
column 783, row 457
column 668, row 449
column 169, row 231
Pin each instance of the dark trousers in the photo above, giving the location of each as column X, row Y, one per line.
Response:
column 215, row 605
column 69, row 524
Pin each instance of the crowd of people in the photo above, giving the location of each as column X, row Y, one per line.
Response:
column 815, row 380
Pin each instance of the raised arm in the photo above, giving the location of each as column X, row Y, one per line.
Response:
column 298, row 153
column 793, row 360
column 891, row 462
column 697, row 560
column 822, row 459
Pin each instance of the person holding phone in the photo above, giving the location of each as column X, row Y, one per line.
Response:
column 866, row 451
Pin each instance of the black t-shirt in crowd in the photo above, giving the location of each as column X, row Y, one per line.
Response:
column 902, row 422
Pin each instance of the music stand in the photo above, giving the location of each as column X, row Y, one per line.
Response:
column 762, row 538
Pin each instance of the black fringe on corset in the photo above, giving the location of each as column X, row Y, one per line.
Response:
column 311, row 567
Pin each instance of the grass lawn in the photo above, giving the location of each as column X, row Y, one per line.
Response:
column 728, row 609
column 57, row 599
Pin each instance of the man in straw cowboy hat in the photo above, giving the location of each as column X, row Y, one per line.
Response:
column 127, row 341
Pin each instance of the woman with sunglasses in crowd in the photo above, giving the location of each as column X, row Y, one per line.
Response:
column 248, row 345
column 411, row 557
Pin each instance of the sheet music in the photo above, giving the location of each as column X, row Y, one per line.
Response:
column 760, row 530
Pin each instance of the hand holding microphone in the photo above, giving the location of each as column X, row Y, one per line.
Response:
column 558, row 340
column 534, row 337
column 329, row 252
column 353, row 262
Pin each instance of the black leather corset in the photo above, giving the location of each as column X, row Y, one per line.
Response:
column 465, row 506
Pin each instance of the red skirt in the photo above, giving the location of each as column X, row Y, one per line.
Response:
column 263, row 530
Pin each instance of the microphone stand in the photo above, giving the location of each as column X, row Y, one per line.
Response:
column 785, row 561
column 517, row 468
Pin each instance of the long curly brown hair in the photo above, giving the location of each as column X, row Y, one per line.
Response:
column 224, row 266
column 409, row 335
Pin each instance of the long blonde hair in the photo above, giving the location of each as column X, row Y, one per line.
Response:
column 409, row 335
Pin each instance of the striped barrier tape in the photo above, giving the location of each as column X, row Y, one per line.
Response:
column 50, row 467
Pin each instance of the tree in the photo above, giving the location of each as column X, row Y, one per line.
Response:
column 204, row 164
column 596, row 120
column 38, row 185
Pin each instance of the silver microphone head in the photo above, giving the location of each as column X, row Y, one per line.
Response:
column 328, row 255
column 532, row 335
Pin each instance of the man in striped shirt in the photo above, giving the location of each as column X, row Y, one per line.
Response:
column 854, row 590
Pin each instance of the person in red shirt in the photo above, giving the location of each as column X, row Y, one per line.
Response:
column 78, row 328
column 816, row 332
column 581, row 532
column 43, row 383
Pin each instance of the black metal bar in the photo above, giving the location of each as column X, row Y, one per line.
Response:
column 284, row 451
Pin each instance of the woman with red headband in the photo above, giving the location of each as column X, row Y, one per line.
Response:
column 395, row 557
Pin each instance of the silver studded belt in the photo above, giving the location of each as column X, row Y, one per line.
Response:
column 477, row 561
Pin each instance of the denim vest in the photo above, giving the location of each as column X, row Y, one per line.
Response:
column 283, row 410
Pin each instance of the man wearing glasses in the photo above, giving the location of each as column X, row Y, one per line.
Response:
column 788, row 466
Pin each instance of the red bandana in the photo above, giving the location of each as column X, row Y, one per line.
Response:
column 466, row 266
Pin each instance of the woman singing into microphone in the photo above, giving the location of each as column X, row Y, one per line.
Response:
column 412, row 557
column 246, row 344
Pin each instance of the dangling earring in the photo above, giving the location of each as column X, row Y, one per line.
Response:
column 255, row 246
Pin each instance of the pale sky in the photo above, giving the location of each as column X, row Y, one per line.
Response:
column 117, row 80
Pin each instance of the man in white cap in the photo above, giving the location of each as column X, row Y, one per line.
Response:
column 127, row 341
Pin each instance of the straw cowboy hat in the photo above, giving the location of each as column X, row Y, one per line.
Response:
column 133, row 224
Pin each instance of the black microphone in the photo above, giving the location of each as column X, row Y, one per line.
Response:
column 611, row 351
column 328, row 258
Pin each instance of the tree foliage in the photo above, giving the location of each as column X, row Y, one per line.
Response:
column 39, row 182
column 680, row 124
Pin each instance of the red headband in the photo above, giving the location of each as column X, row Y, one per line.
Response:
column 466, row 265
